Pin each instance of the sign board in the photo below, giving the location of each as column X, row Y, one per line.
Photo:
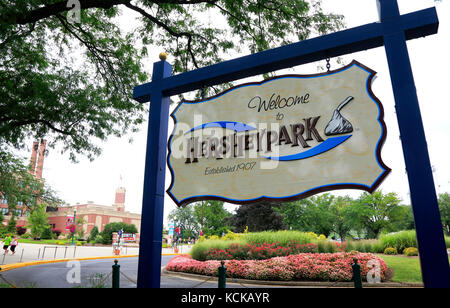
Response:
column 128, row 237
column 283, row 139
column 171, row 228
column 69, row 222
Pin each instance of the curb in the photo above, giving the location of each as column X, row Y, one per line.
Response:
column 294, row 283
column 11, row 266
column 8, row 267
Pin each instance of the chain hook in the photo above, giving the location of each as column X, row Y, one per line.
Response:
column 328, row 65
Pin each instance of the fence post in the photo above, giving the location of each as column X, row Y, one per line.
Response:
column 116, row 275
column 222, row 275
column 357, row 274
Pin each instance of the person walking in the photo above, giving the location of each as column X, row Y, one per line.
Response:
column 6, row 242
column 14, row 244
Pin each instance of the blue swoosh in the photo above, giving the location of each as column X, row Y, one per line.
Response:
column 236, row 126
column 327, row 145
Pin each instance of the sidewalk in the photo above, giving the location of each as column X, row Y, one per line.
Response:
column 39, row 252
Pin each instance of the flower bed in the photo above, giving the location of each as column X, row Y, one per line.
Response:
column 305, row 266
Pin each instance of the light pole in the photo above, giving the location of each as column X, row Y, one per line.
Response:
column 74, row 224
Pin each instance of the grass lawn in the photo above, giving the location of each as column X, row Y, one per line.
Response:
column 406, row 269
column 48, row 242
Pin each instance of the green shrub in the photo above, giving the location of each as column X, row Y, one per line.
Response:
column 349, row 246
column 47, row 234
column 93, row 234
column 377, row 247
column 321, row 247
column 359, row 246
column 98, row 239
column 390, row 251
column 447, row 241
column 411, row 251
column 199, row 250
column 231, row 236
column 368, row 246
column 330, row 247
column 282, row 237
column 399, row 240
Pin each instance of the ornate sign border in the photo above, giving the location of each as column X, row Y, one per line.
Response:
column 309, row 192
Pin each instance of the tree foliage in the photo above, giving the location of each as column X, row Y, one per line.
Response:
column 112, row 227
column 370, row 214
column 70, row 80
column 47, row 90
column 259, row 216
column 38, row 221
column 376, row 211
column 211, row 216
column 184, row 218
column 444, row 208
column 19, row 186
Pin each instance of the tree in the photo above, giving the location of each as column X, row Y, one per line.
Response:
column 319, row 214
column 257, row 217
column 211, row 215
column 38, row 221
column 375, row 212
column 184, row 218
column 401, row 218
column 444, row 208
column 18, row 185
column 11, row 226
column 293, row 214
column 93, row 234
column 342, row 224
column 70, row 80
column 112, row 227
column 80, row 222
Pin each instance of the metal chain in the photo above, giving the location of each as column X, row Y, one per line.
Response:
column 194, row 286
column 7, row 282
column 328, row 65
column 131, row 280
column 101, row 282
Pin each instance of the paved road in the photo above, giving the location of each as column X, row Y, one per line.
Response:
column 55, row 275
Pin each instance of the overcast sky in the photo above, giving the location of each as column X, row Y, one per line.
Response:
column 96, row 181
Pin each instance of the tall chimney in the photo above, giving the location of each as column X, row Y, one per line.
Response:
column 40, row 163
column 33, row 157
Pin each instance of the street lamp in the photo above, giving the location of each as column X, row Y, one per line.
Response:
column 75, row 226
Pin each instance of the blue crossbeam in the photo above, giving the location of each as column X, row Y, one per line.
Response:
column 392, row 32
column 414, row 25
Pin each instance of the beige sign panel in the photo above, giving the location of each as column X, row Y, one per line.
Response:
column 281, row 139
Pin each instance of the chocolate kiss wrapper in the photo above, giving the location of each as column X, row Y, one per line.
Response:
column 338, row 124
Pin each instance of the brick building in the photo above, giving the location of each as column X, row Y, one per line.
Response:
column 93, row 214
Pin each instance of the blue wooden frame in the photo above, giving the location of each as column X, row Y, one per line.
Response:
column 392, row 31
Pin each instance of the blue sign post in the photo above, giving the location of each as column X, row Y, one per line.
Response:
column 392, row 31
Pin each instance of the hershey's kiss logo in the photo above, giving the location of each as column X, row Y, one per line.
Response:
column 338, row 124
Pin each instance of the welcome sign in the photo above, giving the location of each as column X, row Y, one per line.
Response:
column 285, row 138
